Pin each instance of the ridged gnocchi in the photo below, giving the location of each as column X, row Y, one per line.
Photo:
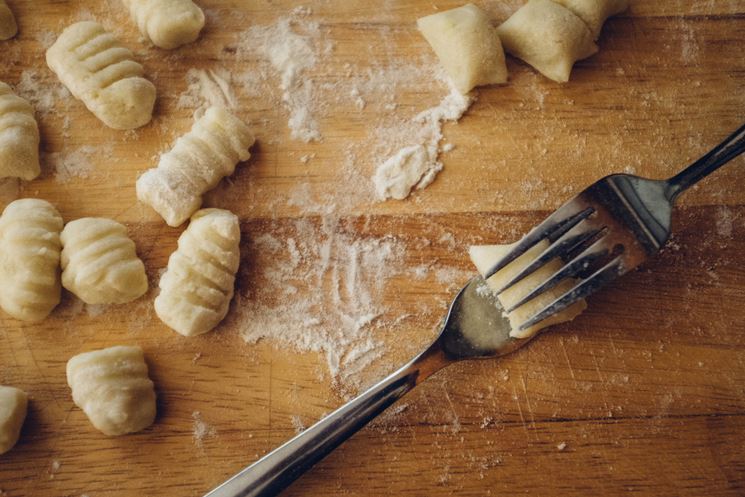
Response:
column 197, row 287
column 100, row 263
column 8, row 26
column 167, row 23
column 195, row 164
column 549, row 37
column 101, row 72
column 19, row 137
column 112, row 387
column 13, row 407
column 29, row 259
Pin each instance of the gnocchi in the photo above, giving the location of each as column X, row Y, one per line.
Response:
column 485, row 256
column 547, row 36
column 195, row 164
column 112, row 387
column 101, row 72
column 100, row 263
column 167, row 23
column 29, row 259
column 8, row 26
column 467, row 45
column 595, row 12
column 19, row 137
column 197, row 287
column 13, row 407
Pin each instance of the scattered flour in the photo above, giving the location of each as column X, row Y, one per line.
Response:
column 207, row 88
column 415, row 166
column 320, row 289
column 41, row 91
column 292, row 47
column 297, row 423
column 201, row 430
column 77, row 163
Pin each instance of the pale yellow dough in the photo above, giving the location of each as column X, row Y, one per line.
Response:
column 467, row 45
column 100, row 263
column 13, row 407
column 8, row 26
column 19, row 137
column 29, row 259
column 196, row 163
column 547, row 36
column 101, row 72
column 196, row 289
column 112, row 387
column 485, row 256
column 167, row 23
column 595, row 12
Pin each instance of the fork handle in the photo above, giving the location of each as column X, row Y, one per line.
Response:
column 275, row 471
column 730, row 148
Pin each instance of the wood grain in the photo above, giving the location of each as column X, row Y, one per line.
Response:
column 643, row 393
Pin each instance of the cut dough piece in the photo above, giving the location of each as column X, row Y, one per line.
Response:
column 547, row 36
column 467, row 45
column 196, row 163
column 29, row 259
column 595, row 12
column 19, row 137
column 8, row 26
column 485, row 256
column 112, row 387
column 101, row 72
column 167, row 23
column 100, row 263
column 197, row 287
column 13, row 406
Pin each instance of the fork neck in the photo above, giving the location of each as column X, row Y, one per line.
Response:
column 730, row 148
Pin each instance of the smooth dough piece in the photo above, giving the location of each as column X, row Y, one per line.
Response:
column 485, row 256
column 19, row 137
column 547, row 36
column 167, row 23
column 29, row 259
column 13, row 406
column 100, row 263
column 197, row 287
column 467, row 45
column 101, row 72
column 112, row 387
column 8, row 26
column 595, row 12
column 195, row 164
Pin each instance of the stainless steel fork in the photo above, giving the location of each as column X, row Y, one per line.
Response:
column 608, row 230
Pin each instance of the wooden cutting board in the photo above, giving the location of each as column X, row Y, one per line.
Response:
column 644, row 393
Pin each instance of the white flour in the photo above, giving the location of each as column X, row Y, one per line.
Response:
column 415, row 166
column 291, row 46
column 320, row 289
column 205, row 89
column 77, row 163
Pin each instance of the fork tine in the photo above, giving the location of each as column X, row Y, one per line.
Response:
column 562, row 247
column 555, row 225
column 599, row 278
column 597, row 250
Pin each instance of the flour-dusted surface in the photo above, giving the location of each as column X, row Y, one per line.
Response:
column 645, row 388
column 416, row 166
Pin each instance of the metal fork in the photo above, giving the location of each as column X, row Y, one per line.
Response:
column 608, row 230
column 475, row 326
